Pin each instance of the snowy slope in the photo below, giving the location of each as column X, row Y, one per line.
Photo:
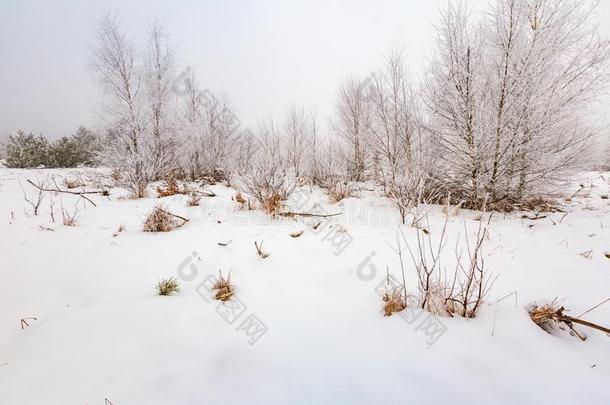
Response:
column 101, row 332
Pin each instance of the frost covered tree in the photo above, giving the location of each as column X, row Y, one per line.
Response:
column 295, row 137
column 507, row 95
column 393, row 122
column 211, row 130
column 352, row 126
column 137, row 110
column 267, row 178
column 455, row 97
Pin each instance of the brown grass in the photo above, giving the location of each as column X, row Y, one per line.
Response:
column 273, row 204
column 160, row 220
column 67, row 219
column 71, row 183
column 171, row 189
column 224, row 288
column 168, row 286
column 543, row 315
column 339, row 191
column 394, row 301
column 239, row 198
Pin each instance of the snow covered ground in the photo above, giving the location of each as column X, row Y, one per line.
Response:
column 307, row 325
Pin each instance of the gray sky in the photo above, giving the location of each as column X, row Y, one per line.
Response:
column 265, row 55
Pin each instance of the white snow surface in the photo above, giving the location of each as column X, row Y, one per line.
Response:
column 101, row 332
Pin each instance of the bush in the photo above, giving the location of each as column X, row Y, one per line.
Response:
column 27, row 150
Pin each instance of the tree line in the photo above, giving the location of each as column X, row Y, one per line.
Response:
column 501, row 114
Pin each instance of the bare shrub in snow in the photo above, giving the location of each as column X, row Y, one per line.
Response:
column 35, row 201
column 224, row 288
column 267, row 180
column 439, row 294
column 471, row 282
column 168, row 286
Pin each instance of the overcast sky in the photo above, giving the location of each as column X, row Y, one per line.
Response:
column 265, row 55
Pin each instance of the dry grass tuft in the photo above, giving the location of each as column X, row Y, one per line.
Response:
column 224, row 288
column 273, row 204
column 340, row 190
column 194, row 200
column 545, row 315
column 72, row 183
column 168, row 286
column 240, row 199
column 394, row 301
column 69, row 219
column 159, row 220
column 172, row 188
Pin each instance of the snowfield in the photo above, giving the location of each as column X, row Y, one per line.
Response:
column 307, row 325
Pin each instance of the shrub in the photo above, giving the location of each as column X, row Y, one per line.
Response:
column 27, row 150
column 168, row 286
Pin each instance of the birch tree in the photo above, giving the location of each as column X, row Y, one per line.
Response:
column 352, row 126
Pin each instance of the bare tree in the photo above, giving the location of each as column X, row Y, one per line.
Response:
column 159, row 74
column 393, row 122
column 352, row 126
column 507, row 96
column 267, row 178
column 455, row 96
column 210, row 130
column 295, row 134
column 136, row 110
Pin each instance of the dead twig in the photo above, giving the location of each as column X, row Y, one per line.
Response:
column 259, row 250
column 24, row 322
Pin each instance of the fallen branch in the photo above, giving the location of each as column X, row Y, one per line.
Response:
column 568, row 320
column 550, row 314
column 185, row 220
column 307, row 214
column 82, row 194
